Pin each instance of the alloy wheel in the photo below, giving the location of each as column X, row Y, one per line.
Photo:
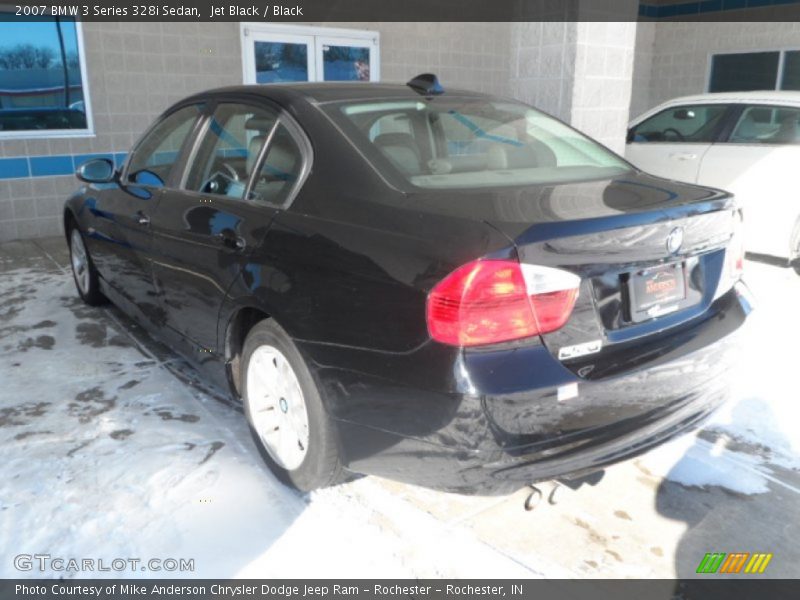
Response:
column 80, row 261
column 277, row 407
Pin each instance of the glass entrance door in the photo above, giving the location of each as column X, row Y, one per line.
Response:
column 346, row 59
column 275, row 58
column 286, row 54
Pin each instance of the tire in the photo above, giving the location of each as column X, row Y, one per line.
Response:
column 277, row 390
column 87, row 280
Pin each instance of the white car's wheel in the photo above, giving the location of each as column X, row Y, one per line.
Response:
column 83, row 270
column 294, row 433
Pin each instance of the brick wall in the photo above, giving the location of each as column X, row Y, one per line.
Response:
column 677, row 61
column 602, row 82
column 579, row 72
column 543, row 65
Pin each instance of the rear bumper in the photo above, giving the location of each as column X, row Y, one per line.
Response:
column 516, row 418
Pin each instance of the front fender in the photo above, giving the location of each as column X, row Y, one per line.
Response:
column 72, row 210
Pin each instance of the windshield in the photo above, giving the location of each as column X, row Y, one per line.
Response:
column 468, row 142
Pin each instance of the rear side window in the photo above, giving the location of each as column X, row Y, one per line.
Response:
column 468, row 142
column 699, row 124
column 230, row 148
column 157, row 152
column 767, row 125
column 281, row 170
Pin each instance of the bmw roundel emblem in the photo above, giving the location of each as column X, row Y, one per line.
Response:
column 675, row 240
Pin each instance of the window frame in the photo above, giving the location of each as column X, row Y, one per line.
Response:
column 722, row 131
column 181, row 169
column 778, row 76
column 89, row 131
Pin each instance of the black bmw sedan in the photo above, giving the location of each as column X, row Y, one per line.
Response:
column 440, row 287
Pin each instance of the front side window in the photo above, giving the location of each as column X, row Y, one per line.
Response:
column 42, row 82
column 699, row 124
column 465, row 142
column 153, row 158
column 767, row 125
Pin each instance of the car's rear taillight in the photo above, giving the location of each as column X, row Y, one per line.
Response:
column 491, row 301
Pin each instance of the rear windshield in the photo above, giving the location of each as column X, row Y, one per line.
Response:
column 468, row 143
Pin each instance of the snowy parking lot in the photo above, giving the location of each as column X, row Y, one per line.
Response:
column 112, row 448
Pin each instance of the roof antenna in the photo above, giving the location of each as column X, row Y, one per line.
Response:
column 426, row 84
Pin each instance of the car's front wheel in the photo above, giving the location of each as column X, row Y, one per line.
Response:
column 288, row 421
column 83, row 270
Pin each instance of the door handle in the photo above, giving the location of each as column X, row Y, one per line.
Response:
column 232, row 241
column 683, row 156
column 142, row 218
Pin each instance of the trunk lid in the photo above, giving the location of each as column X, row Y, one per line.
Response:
column 613, row 234
column 650, row 254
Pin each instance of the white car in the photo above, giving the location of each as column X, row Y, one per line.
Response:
column 745, row 142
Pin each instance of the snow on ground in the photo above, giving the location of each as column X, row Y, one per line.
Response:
column 107, row 453
column 111, row 448
column 765, row 410
column 758, row 428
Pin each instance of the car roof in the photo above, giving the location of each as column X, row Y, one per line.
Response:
column 771, row 96
column 320, row 93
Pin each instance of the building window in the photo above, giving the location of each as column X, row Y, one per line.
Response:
column 747, row 71
column 42, row 79
column 285, row 53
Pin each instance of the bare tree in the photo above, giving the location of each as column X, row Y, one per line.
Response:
column 44, row 56
column 72, row 60
column 26, row 56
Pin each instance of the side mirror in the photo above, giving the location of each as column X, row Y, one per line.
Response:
column 97, row 170
column 629, row 137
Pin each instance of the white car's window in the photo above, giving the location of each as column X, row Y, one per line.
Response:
column 698, row 124
column 467, row 142
column 767, row 125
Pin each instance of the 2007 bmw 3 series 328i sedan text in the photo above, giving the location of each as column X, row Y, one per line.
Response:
column 439, row 287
